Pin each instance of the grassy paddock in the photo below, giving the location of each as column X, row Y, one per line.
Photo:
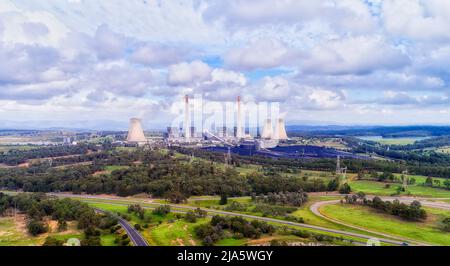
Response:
column 366, row 217
column 378, row 188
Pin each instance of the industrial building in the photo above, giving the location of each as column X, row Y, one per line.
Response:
column 188, row 134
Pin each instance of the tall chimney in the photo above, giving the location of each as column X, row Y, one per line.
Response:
column 239, row 134
column 187, row 116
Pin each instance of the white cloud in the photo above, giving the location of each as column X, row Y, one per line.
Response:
column 227, row 76
column 157, row 55
column 188, row 73
column 354, row 55
column 100, row 59
column 259, row 54
column 343, row 15
column 272, row 89
column 422, row 20
column 108, row 44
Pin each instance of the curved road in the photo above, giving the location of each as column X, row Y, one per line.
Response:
column 315, row 208
column 394, row 240
column 266, row 219
column 133, row 234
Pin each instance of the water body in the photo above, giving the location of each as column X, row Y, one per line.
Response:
column 293, row 152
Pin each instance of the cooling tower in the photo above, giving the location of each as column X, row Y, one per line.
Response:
column 135, row 132
column 267, row 131
column 281, row 130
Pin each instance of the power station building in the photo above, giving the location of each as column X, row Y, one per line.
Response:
column 239, row 130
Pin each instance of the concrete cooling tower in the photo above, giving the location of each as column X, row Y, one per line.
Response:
column 135, row 132
column 281, row 130
column 267, row 130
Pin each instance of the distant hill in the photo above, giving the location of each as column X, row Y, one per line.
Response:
column 385, row 131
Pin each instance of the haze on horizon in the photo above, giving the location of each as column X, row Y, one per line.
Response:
column 344, row 62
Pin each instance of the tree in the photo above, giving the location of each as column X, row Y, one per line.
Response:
column 36, row 227
column 447, row 183
column 208, row 241
column 446, row 224
column 333, row 185
column 437, row 182
column 361, row 175
column 345, row 189
column 62, row 225
column 429, row 181
column 162, row 210
column 361, row 195
column 223, row 199
column 190, row 217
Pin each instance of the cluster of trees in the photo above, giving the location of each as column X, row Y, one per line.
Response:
column 137, row 209
column 238, row 226
column 15, row 157
column 430, row 182
column 192, row 216
column 413, row 211
column 273, row 210
column 158, row 174
column 296, row 198
column 422, row 163
column 38, row 207
column 162, row 210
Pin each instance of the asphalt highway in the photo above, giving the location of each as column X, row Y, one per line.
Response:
column 394, row 241
column 134, row 235
column 267, row 219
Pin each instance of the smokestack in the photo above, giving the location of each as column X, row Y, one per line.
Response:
column 187, row 116
column 135, row 132
column 267, row 131
column 239, row 119
column 281, row 130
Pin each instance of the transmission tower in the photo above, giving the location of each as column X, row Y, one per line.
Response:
column 228, row 157
column 340, row 171
column 405, row 179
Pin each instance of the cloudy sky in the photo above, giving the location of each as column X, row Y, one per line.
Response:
column 96, row 63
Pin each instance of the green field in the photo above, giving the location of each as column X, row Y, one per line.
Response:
column 108, row 240
column 14, row 233
column 392, row 141
column 177, row 233
column 366, row 217
column 10, row 235
column 378, row 188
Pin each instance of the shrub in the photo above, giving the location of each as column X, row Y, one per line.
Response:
column 345, row 189
column 51, row 241
column 190, row 217
column 446, row 224
column 162, row 210
column 235, row 206
column 297, row 198
column 36, row 227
